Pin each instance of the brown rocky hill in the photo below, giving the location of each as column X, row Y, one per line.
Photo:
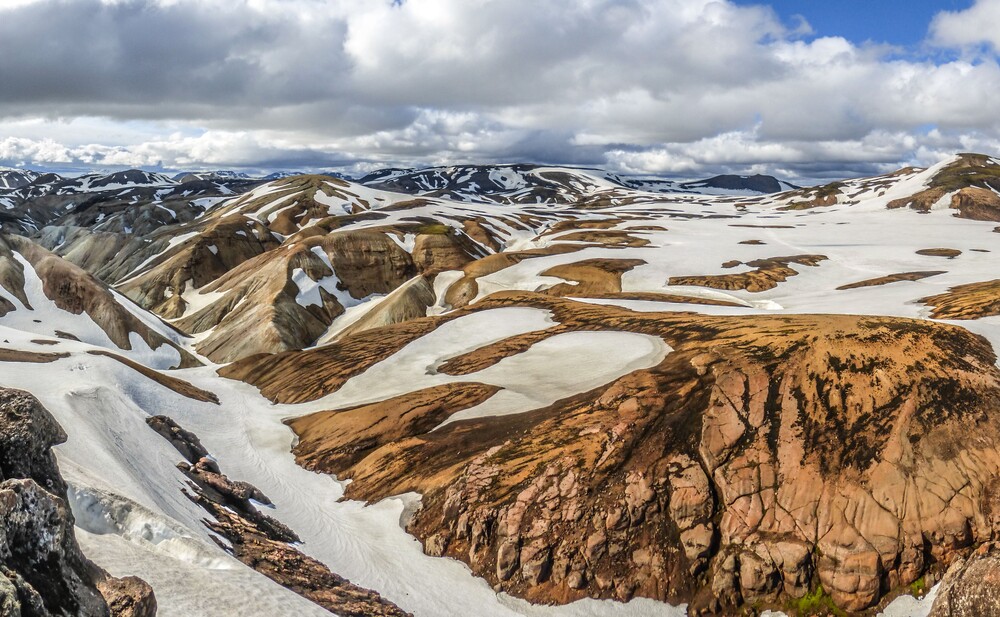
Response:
column 287, row 298
column 968, row 184
column 271, row 270
column 764, row 458
column 75, row 291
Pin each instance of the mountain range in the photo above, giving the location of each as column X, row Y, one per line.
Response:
column 500, row 390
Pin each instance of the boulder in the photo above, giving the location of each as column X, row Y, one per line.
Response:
column 971, row 587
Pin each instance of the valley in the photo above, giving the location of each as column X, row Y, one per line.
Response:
column 516, row 390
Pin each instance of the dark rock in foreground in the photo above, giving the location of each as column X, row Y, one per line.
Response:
column 42, row 570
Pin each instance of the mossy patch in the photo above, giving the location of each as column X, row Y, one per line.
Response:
column 816, row 602
column 435, row 229
column 918, row 587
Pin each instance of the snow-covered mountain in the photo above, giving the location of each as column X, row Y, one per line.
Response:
column 516, row 390
column 526, row 184
column 279, row 175
column 124, row 201
column 221, row 174
column 15, row 178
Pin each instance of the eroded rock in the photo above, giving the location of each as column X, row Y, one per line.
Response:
column 764, row 456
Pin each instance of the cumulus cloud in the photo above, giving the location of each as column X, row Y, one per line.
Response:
column 36, row 151
column 212, row 149
column 665, row 86
column 973, row 27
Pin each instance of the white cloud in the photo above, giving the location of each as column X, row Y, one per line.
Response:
column 673, row 86
column 978, row 25
column 27, row 150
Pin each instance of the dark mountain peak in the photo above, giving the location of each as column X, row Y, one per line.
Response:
column 757, row 183
column 11, row 178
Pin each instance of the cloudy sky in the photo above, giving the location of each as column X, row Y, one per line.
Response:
column 805, row 89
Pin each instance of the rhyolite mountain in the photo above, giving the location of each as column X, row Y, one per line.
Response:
column 484, row 389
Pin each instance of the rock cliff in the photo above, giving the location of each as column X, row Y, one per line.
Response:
column 764, row 458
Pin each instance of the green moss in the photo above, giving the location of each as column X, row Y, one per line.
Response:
column 815, row 195
column 972, row 170
column 434, row 229
column 816, row 602
column 918, row 587
column 830, row 190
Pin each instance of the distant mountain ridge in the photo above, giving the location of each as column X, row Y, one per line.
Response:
column 526, row 183
column 756, row 183
column 224, row 174
column 11, row 178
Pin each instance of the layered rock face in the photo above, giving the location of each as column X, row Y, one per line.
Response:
column 42, row 571
column 288, row 298
column 763, row 458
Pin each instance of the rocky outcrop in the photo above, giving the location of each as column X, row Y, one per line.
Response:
column 444, row 250
column 978, row 204
column 970, row 301
column 892, row 278
column 128, row 596
column 766, row 274
column 40, row 563
column 763, row 458
column 971, row 588
column 42, row 571
column 260, row 541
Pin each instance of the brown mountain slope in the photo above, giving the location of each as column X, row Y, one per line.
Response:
column 75, row 291
column 288, row 297
column 763, row 457
column 970, row 301
column 261, row 305
column 973, row 181
column 217, row 249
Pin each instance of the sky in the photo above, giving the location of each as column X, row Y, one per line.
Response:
column 896, row 22
column 807, row 90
